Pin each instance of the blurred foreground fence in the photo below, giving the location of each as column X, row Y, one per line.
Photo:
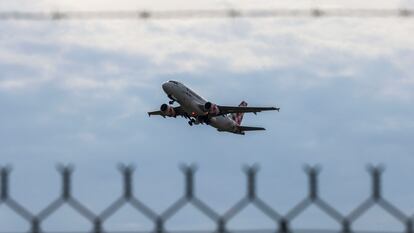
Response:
column 207, row 14
column 282, row 221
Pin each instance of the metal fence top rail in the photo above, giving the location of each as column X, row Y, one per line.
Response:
column 159, row 219
column 206, row 14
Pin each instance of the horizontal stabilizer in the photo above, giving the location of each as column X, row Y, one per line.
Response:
column 249, row 128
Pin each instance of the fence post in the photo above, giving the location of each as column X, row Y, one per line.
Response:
column 159, row 225
column 346, row 226
column 283, row 226
column 221, row 225
column 313, row 173
column 127, row 172
column 97, row 225
column 251, row 181
column 35, row 228
column 189, row 180
column 66, row 172
column 409, row 226
column 376, row 181
column 4, row 182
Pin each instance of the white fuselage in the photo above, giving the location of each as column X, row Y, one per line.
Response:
column 191, row 102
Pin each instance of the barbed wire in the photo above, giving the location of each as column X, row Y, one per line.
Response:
column 282, row 221
column 205, row 14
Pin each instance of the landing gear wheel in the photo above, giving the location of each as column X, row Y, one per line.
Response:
column 190, row 123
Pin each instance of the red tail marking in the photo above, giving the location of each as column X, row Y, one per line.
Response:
column 238, row 117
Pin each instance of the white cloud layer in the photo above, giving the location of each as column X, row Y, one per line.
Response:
column 239, row 45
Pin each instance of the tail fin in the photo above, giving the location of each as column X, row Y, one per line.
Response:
column 238, row 117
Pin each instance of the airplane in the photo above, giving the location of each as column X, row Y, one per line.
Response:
column 200, row 111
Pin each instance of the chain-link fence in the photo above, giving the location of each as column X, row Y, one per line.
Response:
column 159, row 220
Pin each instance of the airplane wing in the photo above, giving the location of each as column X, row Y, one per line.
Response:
column 178, row 112
column 232, row 109
column 249, row 128
column 241, row 109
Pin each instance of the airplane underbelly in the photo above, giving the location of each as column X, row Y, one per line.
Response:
column 189, row 105
column 222, row 123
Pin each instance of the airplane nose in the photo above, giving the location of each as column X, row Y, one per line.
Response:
column 166, row 87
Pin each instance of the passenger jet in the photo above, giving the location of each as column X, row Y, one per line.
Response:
column 199, row 111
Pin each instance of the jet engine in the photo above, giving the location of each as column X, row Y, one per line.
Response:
column 211, row 108
column 167, row 110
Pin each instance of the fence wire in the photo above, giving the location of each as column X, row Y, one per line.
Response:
column 205, row 14
column 189, row 197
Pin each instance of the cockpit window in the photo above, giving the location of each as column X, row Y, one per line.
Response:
column 175, row 82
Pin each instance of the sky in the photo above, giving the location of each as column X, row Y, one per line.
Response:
column 78, row 92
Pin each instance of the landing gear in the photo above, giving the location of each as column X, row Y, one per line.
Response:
column 204, row 119
column 191, row 122
column 172, row 100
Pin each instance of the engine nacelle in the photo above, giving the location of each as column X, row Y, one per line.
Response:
column 167, row 110
column 211, row 108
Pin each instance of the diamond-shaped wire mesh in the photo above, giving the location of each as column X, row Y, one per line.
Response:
column 282, row 221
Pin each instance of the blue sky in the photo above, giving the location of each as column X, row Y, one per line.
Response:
column 78, row 92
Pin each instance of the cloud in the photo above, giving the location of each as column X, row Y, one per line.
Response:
column 198, row 46
column 12, row 84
